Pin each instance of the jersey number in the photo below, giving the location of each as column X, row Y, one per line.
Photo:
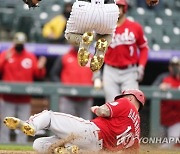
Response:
column 131, row 50
column 126, row 138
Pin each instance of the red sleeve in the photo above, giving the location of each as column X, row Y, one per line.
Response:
column 117, row 107
column 38, row 73
column 2, row 60
column 143, row 46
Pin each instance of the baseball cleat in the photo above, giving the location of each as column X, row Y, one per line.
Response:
column 83, row 56
column 61, row 150
column 87, row 38
column 83, row 53
column 15, row 123
column 69, row 150
column 98, row 59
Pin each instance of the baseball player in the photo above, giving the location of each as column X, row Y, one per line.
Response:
column 116, row 127
column 88, row 16
column 17, row 64
column 126, row 56
column 166, row 81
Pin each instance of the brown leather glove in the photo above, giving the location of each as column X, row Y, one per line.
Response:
column 152, row 2
column 31, row 3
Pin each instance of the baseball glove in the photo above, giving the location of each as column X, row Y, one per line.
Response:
column 31, row 3
column 152, row 2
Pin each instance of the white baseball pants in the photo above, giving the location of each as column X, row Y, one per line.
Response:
column 95, row 16
column 63, row 125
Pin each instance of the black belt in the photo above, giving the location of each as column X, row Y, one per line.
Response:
column 124, row 67
column 105, row 1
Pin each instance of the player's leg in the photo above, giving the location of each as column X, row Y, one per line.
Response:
column 102, row 44
column 23, row 113
column 73, row 38
column 42, row 144
column 28, row 127
column 62, row 125
column 110, row 82
column 81, row 22
column 83, row 41
column 6, row 110
column 83, row 53
column 129, row 78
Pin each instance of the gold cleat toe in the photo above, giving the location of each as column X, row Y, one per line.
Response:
column 75, row 149
column 15, row 123
column 102, row 44
column 98, row 59
column 12, row 122
column 61, row 150
column 83, row 56
column 87, row 38
column 94, row 65
column 27, row 129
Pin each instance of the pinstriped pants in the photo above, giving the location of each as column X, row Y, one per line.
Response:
column 95, row 16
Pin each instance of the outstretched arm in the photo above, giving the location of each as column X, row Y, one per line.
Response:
column 101, row 111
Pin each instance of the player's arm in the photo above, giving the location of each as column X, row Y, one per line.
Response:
column 101, row 111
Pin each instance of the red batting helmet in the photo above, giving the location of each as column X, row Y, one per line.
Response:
column 136, row 92
column 124, row 3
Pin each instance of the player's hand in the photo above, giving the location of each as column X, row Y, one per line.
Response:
column 42, row 62
column 98, row 84
column 9, row 54
column 164, row 86
column 94, row 108
column 140, row 70
column 152, row 2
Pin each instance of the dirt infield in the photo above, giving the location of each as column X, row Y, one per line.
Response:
column 143, row 151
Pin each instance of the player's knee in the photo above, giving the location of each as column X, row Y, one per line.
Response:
column 39, row 145
column 73, row 38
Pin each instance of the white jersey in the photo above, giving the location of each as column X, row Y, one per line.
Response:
column 92, row 16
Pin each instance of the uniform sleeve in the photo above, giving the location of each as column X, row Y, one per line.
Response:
column 2, row 60
column 118, row 107
column 143, row 46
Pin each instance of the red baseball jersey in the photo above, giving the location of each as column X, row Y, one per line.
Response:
column 79, row 75
column 19, row 68
column 122, row 129
column 127, row 40
column 170, row 108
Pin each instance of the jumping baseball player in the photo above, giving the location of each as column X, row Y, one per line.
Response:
column 117, row 126
column 126, row 56
column 88, row 16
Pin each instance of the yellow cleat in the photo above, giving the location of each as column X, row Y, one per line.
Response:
column 98, row 59
column 74, row 149
column 61, row 150
column 15, row 123
column 83, row 53
column 83, row 56
column 69, row 150
column 102, row 44
column 87, row 38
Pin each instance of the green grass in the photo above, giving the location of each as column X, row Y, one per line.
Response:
column 16, row 147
